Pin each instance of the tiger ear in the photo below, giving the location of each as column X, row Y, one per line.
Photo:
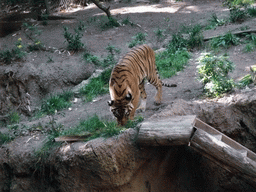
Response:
column 128, row 97
column 110, row 103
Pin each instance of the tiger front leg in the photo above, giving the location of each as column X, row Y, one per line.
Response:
column 158, row 97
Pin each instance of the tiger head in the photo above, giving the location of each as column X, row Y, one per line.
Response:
column 122, row 108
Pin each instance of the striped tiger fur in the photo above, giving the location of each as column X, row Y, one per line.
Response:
column 126, row 84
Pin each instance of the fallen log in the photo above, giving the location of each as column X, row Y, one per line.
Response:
column 234, row 33
column 169, row 131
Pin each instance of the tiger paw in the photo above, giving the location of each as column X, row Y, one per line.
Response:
column 157, row 103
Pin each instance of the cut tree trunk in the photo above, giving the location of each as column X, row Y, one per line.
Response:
column 169, row 131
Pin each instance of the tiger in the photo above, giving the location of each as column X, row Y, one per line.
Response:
column 126, row 83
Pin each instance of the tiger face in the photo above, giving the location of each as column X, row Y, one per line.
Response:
column 121, row 109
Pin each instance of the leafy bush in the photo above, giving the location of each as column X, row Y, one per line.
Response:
column 214, row 22
column 160, row 34
column 16, row 53
column 108, row 61
column 138, row 39
column 112, row 22
column 237, row 15
column 251, row 11
column 224, row 41
column 213, row 73
column 73, row 40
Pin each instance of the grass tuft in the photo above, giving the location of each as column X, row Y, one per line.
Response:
column 97, row 86
column 57, row 102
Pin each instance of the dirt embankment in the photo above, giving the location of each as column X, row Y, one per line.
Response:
column 119, row 164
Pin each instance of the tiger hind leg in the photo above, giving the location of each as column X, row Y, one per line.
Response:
column 143, row 96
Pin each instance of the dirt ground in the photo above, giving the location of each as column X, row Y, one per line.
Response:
column 42, row 78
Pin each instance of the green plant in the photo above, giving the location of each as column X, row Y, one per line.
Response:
column 97, row 86
column 237, row 15
column 16, row 53
column 92, row 59
column 251, row 11
column 93, row 127
column 138, row 39
column 169, row 63
column 5, row 138
column 57, row 102
column 127, row 21
column 50, row 59
column 14, row 117
column 110, row 23
column 195, row 38
column 245, row 81
column 109, row 60
column 224, row 41
column 73, row 40
column 249, row 47
column 32, row 33
column 213, row 73
column 214, row 22
column 160, row 34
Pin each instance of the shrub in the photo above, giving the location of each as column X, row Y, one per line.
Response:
column 73, row 40
column 213, row 73
column 16, row 53
column 138, row 39
column 224, row 41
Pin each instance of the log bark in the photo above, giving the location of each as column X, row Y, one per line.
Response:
column 164, row 132
column 214, row 148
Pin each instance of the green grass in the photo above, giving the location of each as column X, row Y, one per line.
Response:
column 176, row 56
column 14, row 117
column 169, row 64
column 5, row 138
column 94, row 127
column 97, row 86
column 57, row 102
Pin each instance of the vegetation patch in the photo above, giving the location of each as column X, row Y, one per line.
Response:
column 15, row 54
column 74, row 40
column 224, row 41
column 213, row 73
column 176, row 56
column 105, row 62
column 138, row 39
column 97, row 86
column 57, row 102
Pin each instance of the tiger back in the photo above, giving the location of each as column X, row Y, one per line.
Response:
column 126, row 84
